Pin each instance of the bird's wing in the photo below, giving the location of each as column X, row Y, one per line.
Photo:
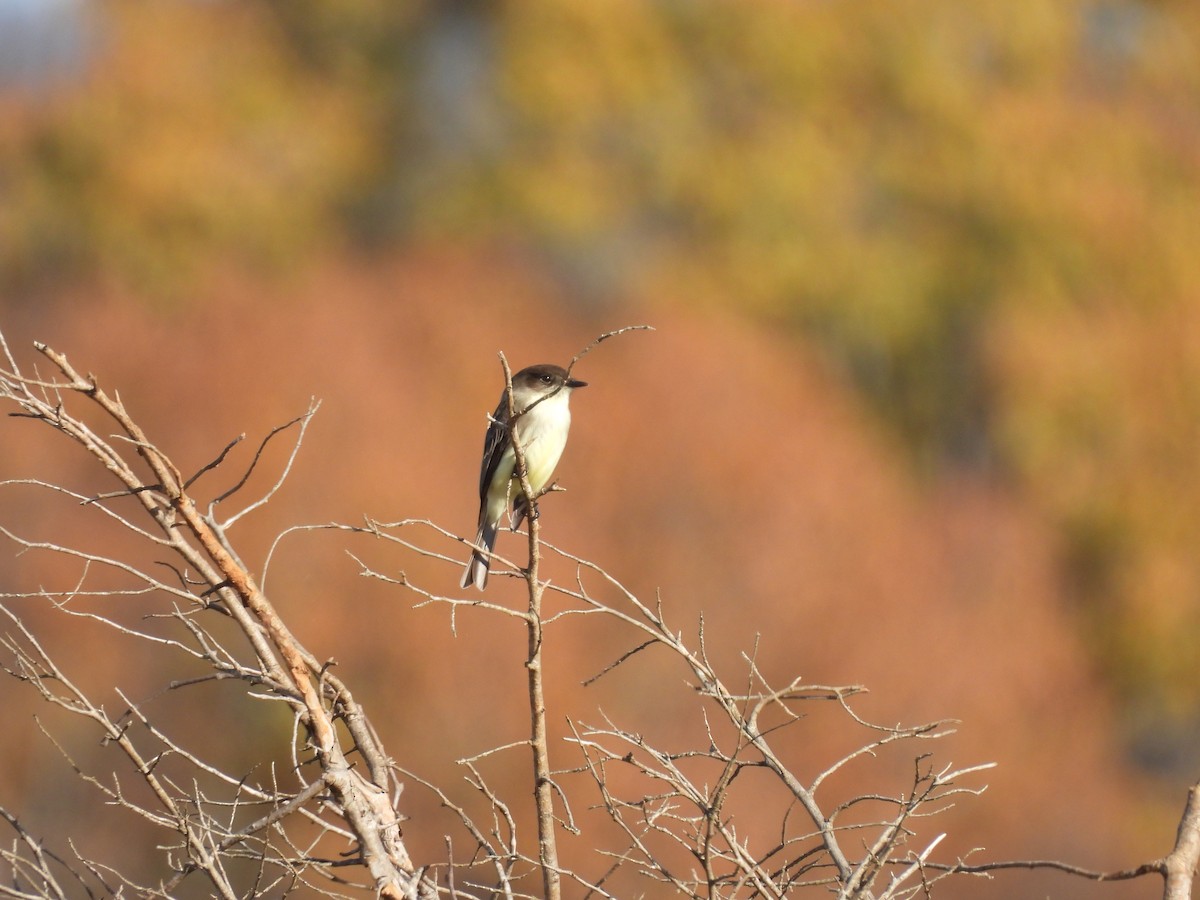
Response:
column 495, row 442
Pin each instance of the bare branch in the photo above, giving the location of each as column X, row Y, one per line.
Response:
column 282, row 671
column 303, row 421
column 601, row 339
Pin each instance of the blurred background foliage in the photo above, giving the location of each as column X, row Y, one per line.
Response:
column 985, row 215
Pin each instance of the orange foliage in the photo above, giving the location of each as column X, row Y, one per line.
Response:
column 707, row 459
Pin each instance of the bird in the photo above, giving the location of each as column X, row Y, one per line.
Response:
column 541, row 398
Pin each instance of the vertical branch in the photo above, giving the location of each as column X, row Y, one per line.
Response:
column 1181, row 863
column 539, row 741
column 542, row 788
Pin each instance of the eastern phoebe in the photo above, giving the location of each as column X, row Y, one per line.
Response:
column 540, row 397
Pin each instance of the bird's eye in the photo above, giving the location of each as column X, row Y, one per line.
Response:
column 547, row 379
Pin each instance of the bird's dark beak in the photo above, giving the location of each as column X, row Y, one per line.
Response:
column 572, row 383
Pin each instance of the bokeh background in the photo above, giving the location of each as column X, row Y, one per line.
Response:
column 922, row 407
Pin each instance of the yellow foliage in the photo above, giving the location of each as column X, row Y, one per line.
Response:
column 988, row 212
column 188, row 140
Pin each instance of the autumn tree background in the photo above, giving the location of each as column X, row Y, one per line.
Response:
column 921, row 409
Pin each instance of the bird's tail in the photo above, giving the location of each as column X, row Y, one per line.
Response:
column 477, row 566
